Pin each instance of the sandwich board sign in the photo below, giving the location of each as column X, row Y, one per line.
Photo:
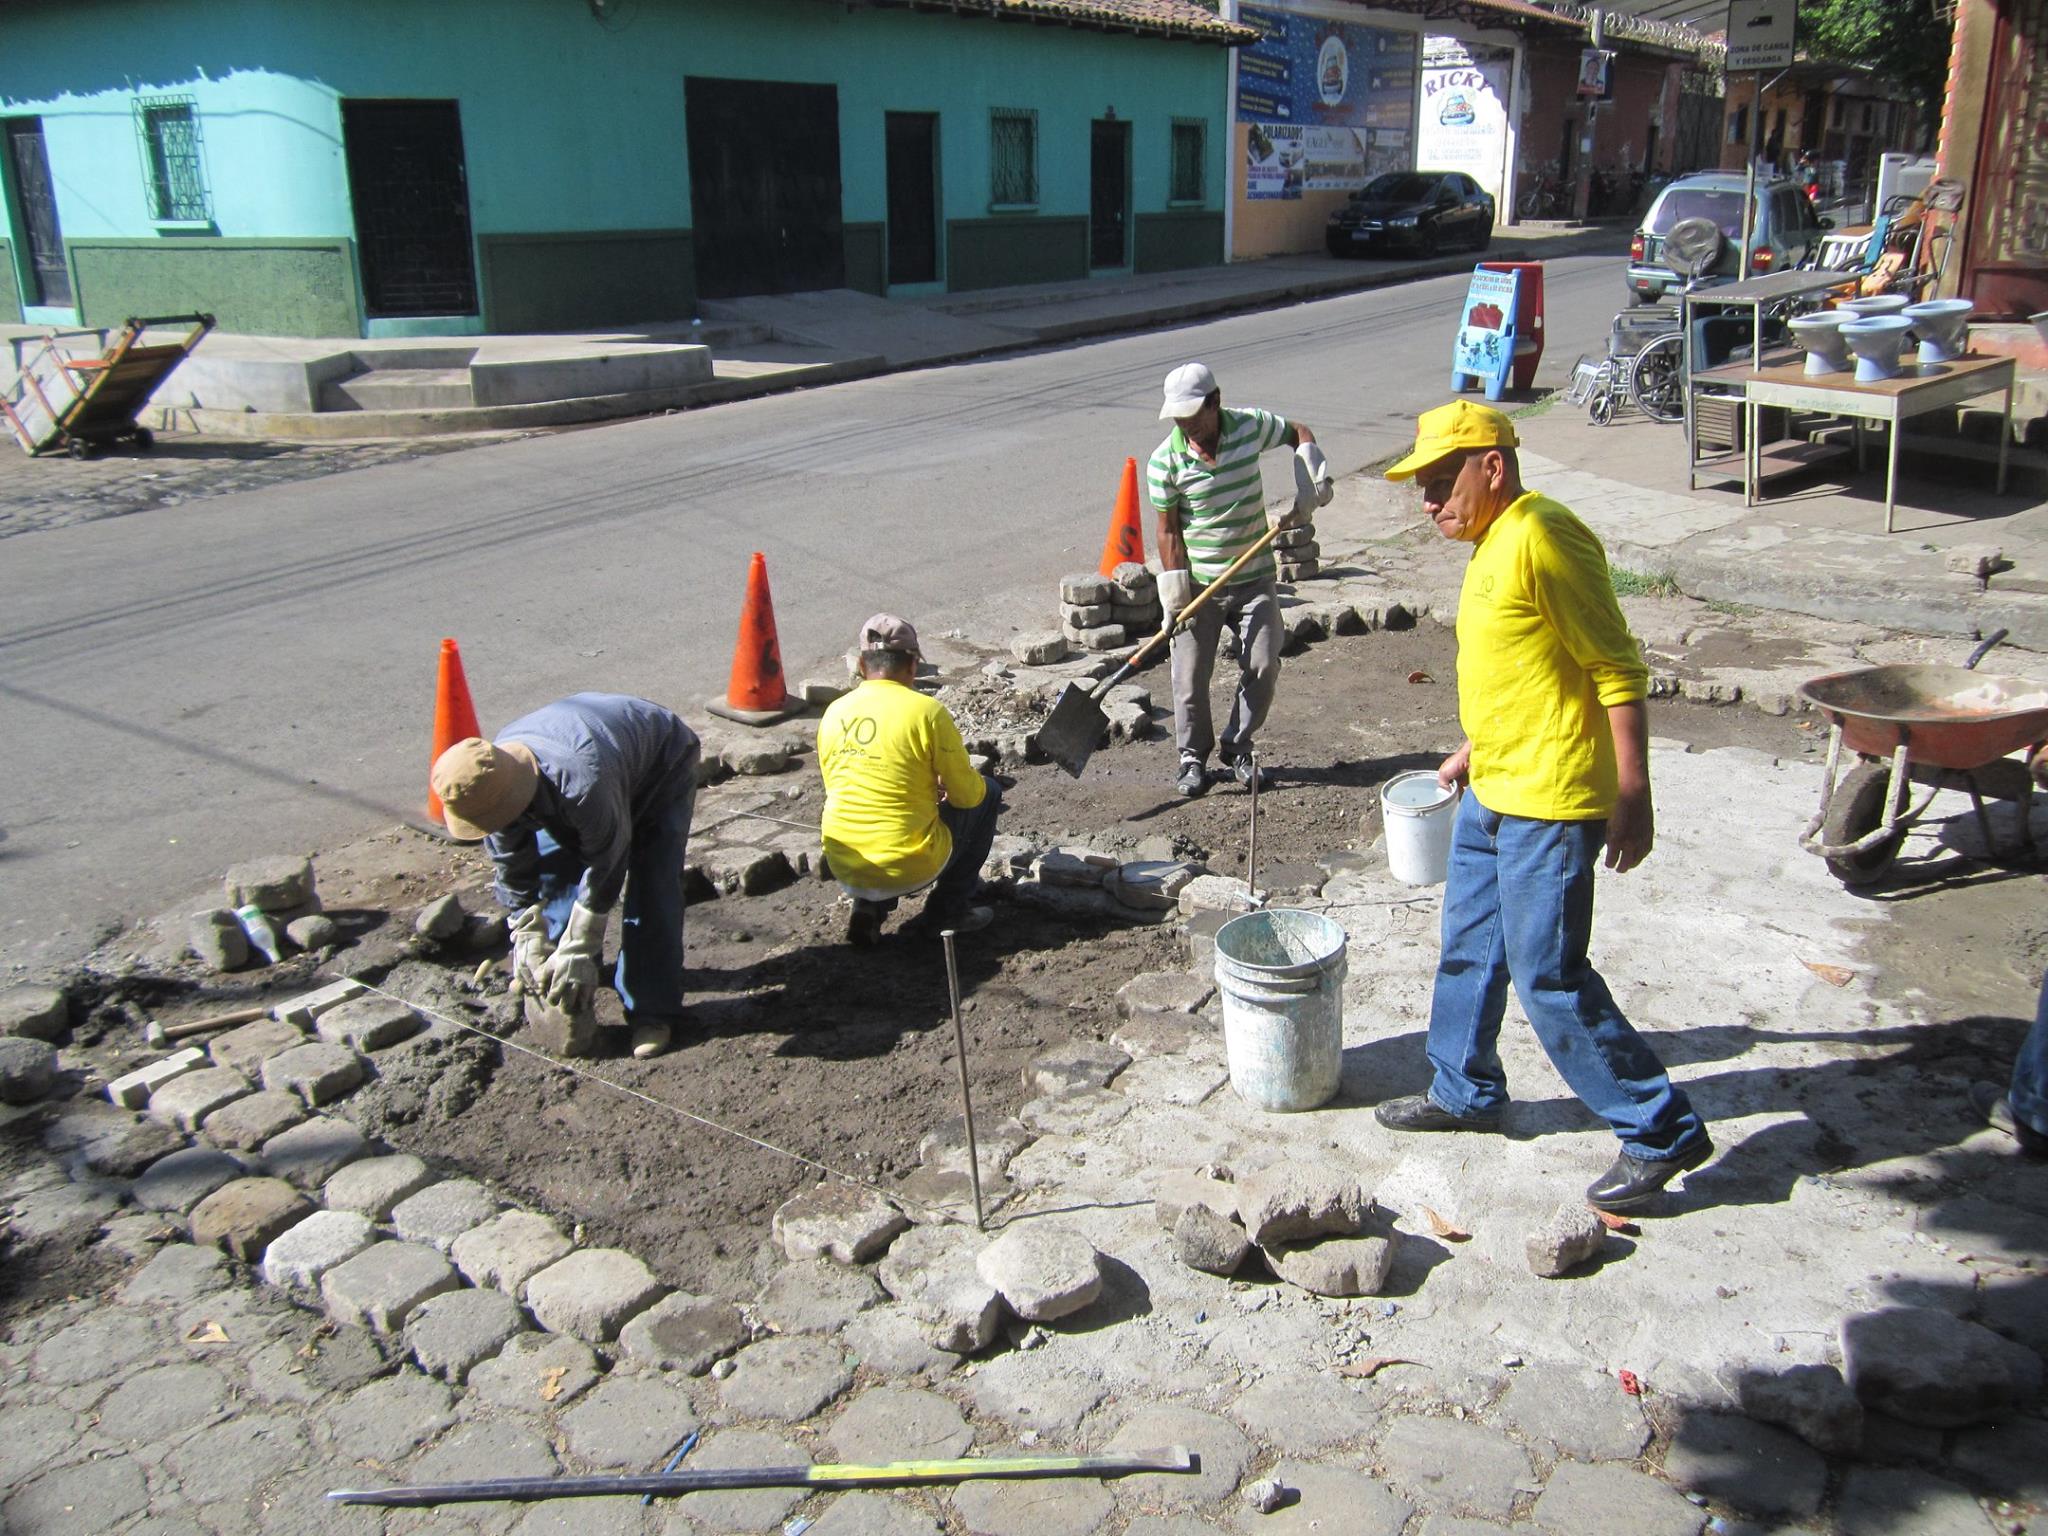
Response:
column 1485, row 348
column 1760, row 34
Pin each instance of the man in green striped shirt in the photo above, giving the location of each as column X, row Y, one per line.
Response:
column 1205, row 484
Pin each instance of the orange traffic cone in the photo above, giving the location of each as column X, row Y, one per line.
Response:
column 1126, row 541
column 756, row 693
column 454, row 717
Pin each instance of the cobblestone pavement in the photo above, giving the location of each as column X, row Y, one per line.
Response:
column 57, row 491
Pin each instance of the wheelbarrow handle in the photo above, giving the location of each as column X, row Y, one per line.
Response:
column 1984, row 648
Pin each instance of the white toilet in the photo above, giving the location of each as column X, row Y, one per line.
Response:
column 1876, row 304
column 1821, row 335
column 1943, row 326
column 1876, row 342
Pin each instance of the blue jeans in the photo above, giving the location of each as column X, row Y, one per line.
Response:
column 649, row 974
column 2028, row 1095
column 1519, row 905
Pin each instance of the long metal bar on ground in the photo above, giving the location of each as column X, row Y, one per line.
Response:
column 966, row 1095
column 895, row 1474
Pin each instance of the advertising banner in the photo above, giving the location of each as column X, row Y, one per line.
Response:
column 1464, row 124
column 1330, row 104
column 1485, row 345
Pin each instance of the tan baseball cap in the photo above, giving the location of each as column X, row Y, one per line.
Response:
column 483, row 786
column 886, row 632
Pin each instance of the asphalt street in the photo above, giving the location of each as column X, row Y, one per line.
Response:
column 254, row 673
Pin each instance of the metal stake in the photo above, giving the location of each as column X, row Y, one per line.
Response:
column 966, row 1096
column 1251, row 858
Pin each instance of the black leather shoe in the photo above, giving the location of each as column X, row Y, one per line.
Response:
column 1633, row 1183
column 1419, row 1112
column 1991, row 1103
column 1193, row 779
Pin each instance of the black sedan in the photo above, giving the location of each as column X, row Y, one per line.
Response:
column 1422, row 211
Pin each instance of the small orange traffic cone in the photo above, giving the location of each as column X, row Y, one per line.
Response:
column 454, row 717
column 1126, row 542
column 756, row 693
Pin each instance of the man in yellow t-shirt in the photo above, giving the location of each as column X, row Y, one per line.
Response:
column 904, row 808
column 1555, row 763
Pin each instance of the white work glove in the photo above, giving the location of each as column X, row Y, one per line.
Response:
column 1176, row 591
column 1313, row 486
column 530, row 946
column 568, row 977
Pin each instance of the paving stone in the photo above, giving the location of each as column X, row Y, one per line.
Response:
column 1571, row 1237
column 592, row 1294
column 1613, row 1501
column 371, row 1186
column 99, row 1348
column 599, row 1515
column 179, row 1272
column 86, row 1499
column 1164, row 992
column 1810, row 1400
column 1072, row 1067
column 217, row 937
column 1221, row 1444
column 313, row 1151
column 1181, row 1080
column 1584, row 1414
column 1173, row 1525
column 1307, row 1413
column 188, row 1100
column 369, row 1023
column 937, row 1195
column 318, row 1072
column 629, row 1422
column 892, row 1342
column 995, row 1143
column 2016, row 1305
column 1330, row 1499
column 931, row 1270
column 245, row 1049
column 1177, row 1189
column 1334, row 1266
column 1042, row 1270
column 233, row 1460
column 1290, row 1201
column 1075, row 1114
column 872, row 1514
column 39, row 1436
column 242, row 1217
column 275, row 883
column 442, row 1212
column 1034, row 1391
column 164, row 1400
column 296, row 1259
column 2009, row 1458
column 28, row 1069
column 1146, row 885
column 535, row 1372
column 836, row 1220
column 1213, row 1244
column 1757, row 1469
column 72, row 1210
column 1032, row 1507
column 786, row 1379
column 131, row 1090
column 308, row 1006
column 246, row 1123
column 1459, row 1525
column 1879, row 1501
column 1215, row 893
column 387, row 1420
column 381, row 1286
column 1926, row 1367
column 816, row 1296
column 451, row 1333
column 887, row 1424
column 509, row 1249
column 1467, row 1468
column 181, row 1180
column 315, row 931
column 751, row 1509
column 485, row 1448
column 687, row 1333
column 1154, row 1034
column 441, row 918
column 100, row 1139
column 35, row 1011
column 1039, row 648
column 1086, row 587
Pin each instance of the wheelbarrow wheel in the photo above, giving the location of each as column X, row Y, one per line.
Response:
column 78, row 448
column 1857, row 810
column 143, row 439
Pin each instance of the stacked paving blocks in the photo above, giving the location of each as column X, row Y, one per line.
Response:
column 1299, row 555
column 1106, row 613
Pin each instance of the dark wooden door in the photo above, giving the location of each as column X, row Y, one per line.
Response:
column 913, row 142
column 1109, row 194
column 410, row 190
column 35, row 197
column 764, row 186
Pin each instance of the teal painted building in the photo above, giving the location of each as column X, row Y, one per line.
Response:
column 392, row 167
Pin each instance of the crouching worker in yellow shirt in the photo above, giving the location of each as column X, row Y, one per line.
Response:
column 1556, row 763
column 904, row 809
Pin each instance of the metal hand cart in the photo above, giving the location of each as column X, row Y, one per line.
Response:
column 60, row 400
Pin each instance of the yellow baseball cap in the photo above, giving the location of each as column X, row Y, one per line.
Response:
column 1449, row 428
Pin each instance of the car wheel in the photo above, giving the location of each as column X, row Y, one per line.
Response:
column 1485, row 236
column 1338, row 245
column 1430, row 241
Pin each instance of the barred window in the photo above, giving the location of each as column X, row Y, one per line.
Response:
column 1189, row 141
column 173, row 167
column 1013, row 156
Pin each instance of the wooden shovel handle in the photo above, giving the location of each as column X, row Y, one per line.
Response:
column 1207, row 592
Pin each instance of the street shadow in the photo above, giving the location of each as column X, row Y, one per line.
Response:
column 1125, row 1298
column 1360, row 773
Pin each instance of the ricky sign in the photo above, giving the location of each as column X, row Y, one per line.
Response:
column 1760, row 34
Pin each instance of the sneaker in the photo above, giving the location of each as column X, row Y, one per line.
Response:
column 863, row 924
column 1633, row 1182
column 1241, row 769
column 929, row 925
column 1419, row 1112
column 651, row 1039
column 1990, row 1102
column 1194, row 778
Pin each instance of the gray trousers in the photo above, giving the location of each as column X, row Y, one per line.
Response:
column 1252, row 610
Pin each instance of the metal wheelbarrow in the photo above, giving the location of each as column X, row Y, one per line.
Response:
column 1937, row 727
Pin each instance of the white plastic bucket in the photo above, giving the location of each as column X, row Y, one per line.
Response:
column 1417, row 814
column 1281, row 973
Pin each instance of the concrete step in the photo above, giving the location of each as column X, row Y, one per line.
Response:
column 400, row 389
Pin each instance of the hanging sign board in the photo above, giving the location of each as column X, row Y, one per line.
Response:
column 1594, row 64
column 1760, row 34
column 1485, row 348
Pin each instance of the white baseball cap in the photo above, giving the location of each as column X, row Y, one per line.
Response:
column 1186, row 388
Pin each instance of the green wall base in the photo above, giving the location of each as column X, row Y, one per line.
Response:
column 867, row 268
column 256, row 287
column 999, row 253
column 1168, row 242
column 580, row 282
column 10, row 294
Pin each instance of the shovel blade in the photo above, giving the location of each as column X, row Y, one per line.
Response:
column 1073, row 730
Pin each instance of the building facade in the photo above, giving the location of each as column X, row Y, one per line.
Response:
column 1994, row 140
column 371, row 167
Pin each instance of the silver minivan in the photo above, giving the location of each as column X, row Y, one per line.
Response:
column 1787, row 229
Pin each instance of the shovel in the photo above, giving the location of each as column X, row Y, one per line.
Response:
column 1074, row 729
